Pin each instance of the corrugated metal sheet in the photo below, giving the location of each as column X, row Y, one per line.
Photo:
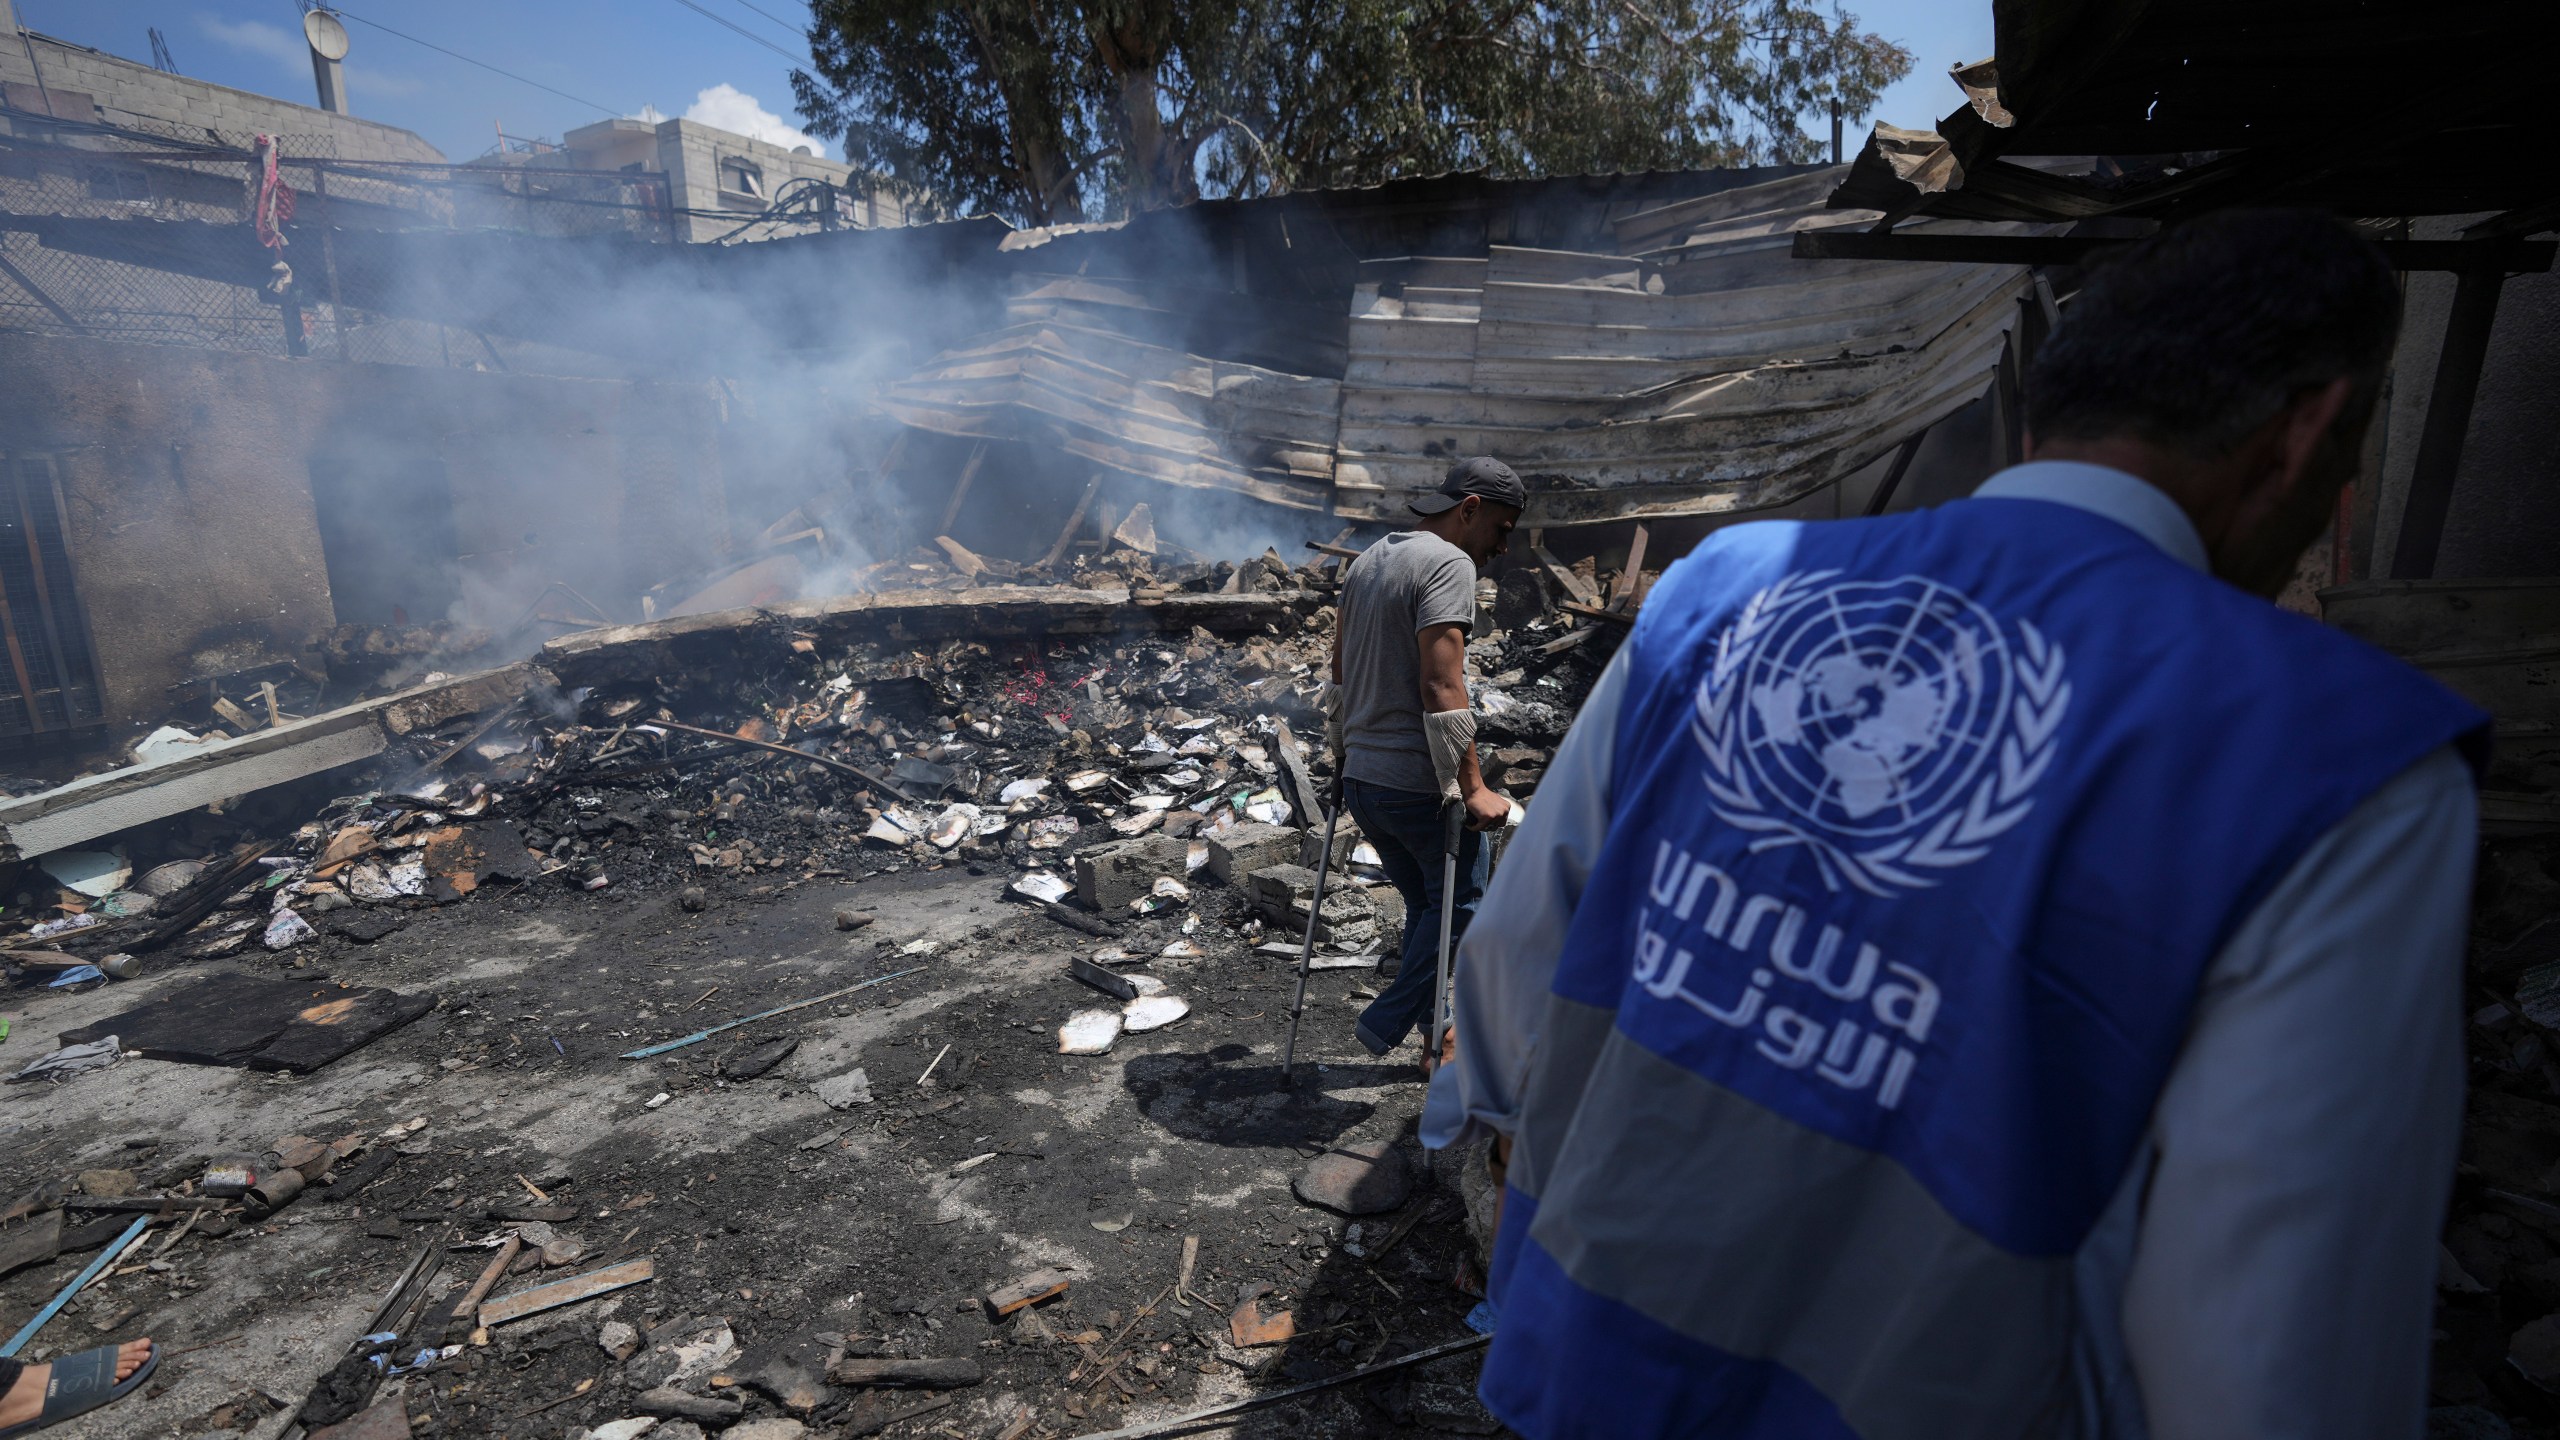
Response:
column 1705, row 371
column 1067, row 374
column 1710, row 372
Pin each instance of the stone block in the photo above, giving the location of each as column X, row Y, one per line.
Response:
column 1311, row 844
column 1108, row 877
column 1250, row 847
column 1282, row 893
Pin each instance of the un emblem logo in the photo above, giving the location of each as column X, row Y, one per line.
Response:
column 1892, row 727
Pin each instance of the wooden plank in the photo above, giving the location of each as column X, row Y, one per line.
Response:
column 916, row 1374
column 34, row 1243
column 1031, row 1289
column 963, row 559
column 568, row 1292
column 1301, row 781
column 1563, row 574
column 960, row 489
column 1067, row 536
column 1893, row 476
column 1623, row 592
column 1596, row 613
column 2449, row 401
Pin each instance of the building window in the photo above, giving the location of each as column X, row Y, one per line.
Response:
column 742, row 177
column 48, row 668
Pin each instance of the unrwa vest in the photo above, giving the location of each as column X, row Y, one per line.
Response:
column 1924, row 831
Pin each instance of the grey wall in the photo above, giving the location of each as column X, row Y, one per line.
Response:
column 128, row 93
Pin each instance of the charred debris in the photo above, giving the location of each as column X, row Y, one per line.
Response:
column 1126, row 755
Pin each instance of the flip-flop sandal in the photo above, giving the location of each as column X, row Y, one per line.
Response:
column 83, row 1382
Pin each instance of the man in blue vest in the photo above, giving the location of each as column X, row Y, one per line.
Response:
column 1986, row 972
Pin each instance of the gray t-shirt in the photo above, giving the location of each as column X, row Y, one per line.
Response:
column 1399, row 587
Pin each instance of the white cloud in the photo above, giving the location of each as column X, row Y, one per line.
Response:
column 293, row 53
column 730, row 108
column 259, row 38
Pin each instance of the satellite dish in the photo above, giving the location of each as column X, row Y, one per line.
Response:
column 328, row 38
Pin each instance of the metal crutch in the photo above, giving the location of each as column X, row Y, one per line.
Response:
column 1453, row 823
column 1307, row 948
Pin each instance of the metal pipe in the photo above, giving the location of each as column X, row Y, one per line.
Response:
column 1307, row 946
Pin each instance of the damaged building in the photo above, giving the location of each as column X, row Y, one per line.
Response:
column 695, row 794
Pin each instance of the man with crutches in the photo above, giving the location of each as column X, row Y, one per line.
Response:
column 1402, row 731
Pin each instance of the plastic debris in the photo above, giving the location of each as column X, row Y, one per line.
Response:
column 98, row 1054
column 286, row 930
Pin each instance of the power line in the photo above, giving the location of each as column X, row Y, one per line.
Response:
column 796, row 31
column 483, row 64
column 727, row 24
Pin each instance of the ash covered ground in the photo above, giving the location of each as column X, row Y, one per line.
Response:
column 584, row 879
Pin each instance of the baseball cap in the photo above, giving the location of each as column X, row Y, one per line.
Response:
column 1483, row 476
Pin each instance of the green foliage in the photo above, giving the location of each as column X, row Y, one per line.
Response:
column 1046, row 111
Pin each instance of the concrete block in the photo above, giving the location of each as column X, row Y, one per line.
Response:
column 1247, row 848
column 1282, row 893
column 1108, row 877
column 1311, row 844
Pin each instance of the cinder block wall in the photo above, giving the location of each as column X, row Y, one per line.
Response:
column 127, row 93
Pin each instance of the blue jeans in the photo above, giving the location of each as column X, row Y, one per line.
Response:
column 1404, row 826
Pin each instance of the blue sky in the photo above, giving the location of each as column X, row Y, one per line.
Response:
column 614, row 56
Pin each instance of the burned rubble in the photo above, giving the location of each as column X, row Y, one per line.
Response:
column 531, row 1137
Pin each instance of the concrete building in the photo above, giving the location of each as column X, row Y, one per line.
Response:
column 45, row 76
column 719, row 181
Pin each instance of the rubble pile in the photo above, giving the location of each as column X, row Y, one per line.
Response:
column 1045, row 757
column 619, row 1172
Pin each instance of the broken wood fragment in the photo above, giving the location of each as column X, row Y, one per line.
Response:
column 1031, row 1289
column 963, row 559
column 908, row 1374
column 960, row 489
column 1595, row 612
column 567, row 1292
column 1564, row 575
column 234, row 716
column 1067, row 536
column 469, row 1304
column 1075, row 919
column 1622, row 595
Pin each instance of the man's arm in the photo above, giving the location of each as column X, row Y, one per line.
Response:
column 2283, row 1276
column 1508, row 959
column 1444, row 689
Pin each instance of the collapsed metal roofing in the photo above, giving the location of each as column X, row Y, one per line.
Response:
column 1694, row 368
